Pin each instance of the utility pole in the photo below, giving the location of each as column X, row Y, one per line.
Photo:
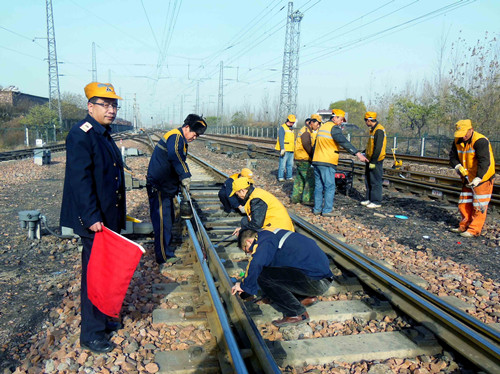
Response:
column 290, row 72
column 54, row 91
column 220, row 104
column 94, row 64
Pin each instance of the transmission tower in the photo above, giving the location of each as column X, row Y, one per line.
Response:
column 220, row 104
column 290, row 73
column 54, row 92
column 94, row 64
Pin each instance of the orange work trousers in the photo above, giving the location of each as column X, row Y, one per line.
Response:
column 470, row 205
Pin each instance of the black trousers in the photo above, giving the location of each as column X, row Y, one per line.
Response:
column 287, row 286
column 93, row 321
column 161, row 210
column 373, row 182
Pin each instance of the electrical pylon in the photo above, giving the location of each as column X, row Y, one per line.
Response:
column 54, row 91
column 290, row 73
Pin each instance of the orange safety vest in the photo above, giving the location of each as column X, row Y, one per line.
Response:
column 467, row 157
column 370, row 145
column 326, row 150
column 289, row 139
column 300, row 152
column 276, row 216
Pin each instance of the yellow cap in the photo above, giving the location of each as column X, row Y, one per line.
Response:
column 240, row 184
column 371, row 115
column 462, row 127
column 338, row 113
column 245, row 172
column 291, row 118
column 96, row 89
column 317, row 117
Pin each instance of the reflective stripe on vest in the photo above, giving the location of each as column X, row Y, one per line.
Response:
column 288, row 141
column 300, row 152
column 370, row 146
column 326, row 150
column 276, row 215
column 467, row 157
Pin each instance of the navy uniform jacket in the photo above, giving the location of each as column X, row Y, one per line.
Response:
column 167, row 166
column 226, row 190
column 297, row 251
column 94, row 185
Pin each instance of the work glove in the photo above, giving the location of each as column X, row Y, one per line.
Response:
column 186, row 182
column 461, row 170
column 242, row 209
column 282, row 152
column 372, row 166
column 475, row 182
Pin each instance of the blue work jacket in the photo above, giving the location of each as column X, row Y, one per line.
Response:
column 94, row 184
column 284, row 249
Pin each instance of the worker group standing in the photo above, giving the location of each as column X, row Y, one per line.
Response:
column 167, row 171
column 325, row 160
column 375, row 152
column 303, row 186
column 285, row 144
column 472, row 157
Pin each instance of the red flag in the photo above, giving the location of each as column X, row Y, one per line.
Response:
column 112, row 263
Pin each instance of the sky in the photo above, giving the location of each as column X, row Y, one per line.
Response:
column 166, row 55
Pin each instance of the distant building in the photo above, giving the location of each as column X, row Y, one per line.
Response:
column 11, row 96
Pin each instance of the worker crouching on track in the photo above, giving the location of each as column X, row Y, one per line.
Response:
column 264, row 211
column 233, row 203
column 374, row 170
column 290, row 269
column 326, row 159
column 303, row 185
column 167, row 171
column 285, row 144
column 472, row 157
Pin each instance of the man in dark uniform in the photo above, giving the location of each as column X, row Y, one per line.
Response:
column 289, row 268
column 94, row 196
column 233, row 203
column 167, row 171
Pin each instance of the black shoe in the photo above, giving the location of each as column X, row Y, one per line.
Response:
column 98, row 345
column 113, row 326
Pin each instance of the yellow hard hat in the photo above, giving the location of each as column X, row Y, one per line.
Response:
column 317, row 117
column 246, row 172
column 96, row 89
column 371, row 115
column 462, row 127
column 338, row 113
column 240, row 184
column 291, row 118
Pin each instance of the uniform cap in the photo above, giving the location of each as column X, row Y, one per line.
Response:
column 240, row 184
column 317, row 117
column 291, row 118
column 462, row 127
column 105, row 90
column 196, row 123
column 246, row 172
column 338, row 113
column 371, row 115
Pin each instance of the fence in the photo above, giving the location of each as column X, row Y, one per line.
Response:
column 430, row 146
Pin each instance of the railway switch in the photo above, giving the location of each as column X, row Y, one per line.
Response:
column 30, row 219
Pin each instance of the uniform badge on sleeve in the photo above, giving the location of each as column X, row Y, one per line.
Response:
column 86, row 127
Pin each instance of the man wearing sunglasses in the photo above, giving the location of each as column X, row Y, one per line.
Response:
column 375, row 152
column 93, row 197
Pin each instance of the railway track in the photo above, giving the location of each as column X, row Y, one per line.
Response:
column 351, row 323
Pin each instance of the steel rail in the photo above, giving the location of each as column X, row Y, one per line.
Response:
column 236, row 358
column 473, row 339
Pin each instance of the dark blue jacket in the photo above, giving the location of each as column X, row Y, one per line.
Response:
column 226, row 190
column 94, row 185
column 167, row 166
column 297, row 251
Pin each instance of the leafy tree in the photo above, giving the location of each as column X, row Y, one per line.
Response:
column 356, row 110
column 238, row 119
column 40, row 116
column 413, row 114
column 73, row 106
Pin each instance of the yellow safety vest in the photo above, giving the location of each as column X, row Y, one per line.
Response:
column 289, row 139
column 370, row 145
column 300, row 152
column 467, row 156
column 326, row 150
column 276, row 216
